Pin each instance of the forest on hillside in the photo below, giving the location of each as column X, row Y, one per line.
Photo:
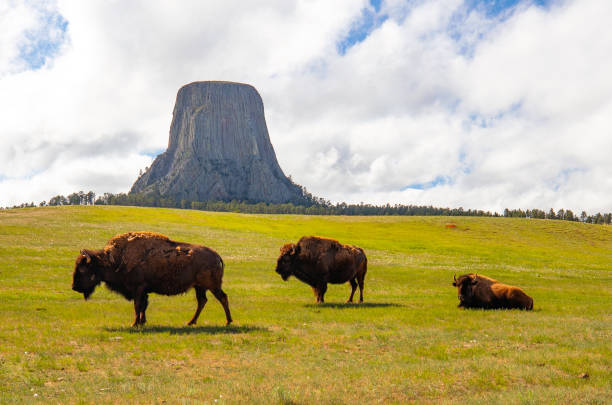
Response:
column 314, row 206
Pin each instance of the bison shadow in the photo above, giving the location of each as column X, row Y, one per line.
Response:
column 346, row 305
column 190, row 330
column 499, row 309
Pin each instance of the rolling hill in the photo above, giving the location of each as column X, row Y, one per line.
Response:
column 407, row 343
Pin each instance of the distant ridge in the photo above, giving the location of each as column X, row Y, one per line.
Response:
column 219, row 150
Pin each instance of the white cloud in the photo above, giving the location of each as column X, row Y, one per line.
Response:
column 510, row 112
column 15, row 20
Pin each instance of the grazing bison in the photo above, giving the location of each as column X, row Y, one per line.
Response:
column 476, row 291
column 135, row 264
column 318, row 261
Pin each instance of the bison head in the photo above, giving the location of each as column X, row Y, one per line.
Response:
column 284, row 264
column 86, row 275
column 465, row 287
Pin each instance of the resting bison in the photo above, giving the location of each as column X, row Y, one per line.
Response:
column 135, row 264
column 318, row 261
column 476, row 291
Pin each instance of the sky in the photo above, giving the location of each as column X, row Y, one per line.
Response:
column 454, row 103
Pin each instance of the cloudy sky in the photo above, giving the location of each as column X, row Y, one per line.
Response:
column 473, row 103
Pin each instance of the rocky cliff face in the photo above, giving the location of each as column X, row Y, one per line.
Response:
column 219, row 149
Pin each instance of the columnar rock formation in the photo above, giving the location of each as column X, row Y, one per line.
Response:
column 219, row 149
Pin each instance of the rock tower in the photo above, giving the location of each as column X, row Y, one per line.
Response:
column 219, row 149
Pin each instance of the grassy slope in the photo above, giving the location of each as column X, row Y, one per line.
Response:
column 409, row 342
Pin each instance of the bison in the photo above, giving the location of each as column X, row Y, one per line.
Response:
column 318, row 261
column 476, row 291
column 135, row 264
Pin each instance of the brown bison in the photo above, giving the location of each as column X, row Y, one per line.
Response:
column 318, row 261
column 477, row 291
column 135, row 264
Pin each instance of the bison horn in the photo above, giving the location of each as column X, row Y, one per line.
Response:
column 455, row 278
column 86, row 255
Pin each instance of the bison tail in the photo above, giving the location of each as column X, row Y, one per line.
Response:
column 364, row 263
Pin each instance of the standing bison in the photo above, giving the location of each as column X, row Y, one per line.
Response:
column 476, row 291
column 318, row 261
column 135, row 264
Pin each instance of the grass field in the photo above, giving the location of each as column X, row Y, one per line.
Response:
column 407, row 343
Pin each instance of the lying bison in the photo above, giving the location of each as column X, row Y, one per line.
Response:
column 318, row 261
column 135, row 264
column 476, row 291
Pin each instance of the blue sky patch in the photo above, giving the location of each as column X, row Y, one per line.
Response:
column 153, row 154
column 438, row 181
column 376, row 4
column 486, row 121
column 495, row 8
column 495, row 11
column 369, row 20
column 43, row 43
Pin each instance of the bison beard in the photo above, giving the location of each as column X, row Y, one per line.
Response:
column 319, row 261
column 476, row 291
column 138, row 263
column 87, row 293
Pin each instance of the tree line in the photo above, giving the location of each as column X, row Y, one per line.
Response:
column 310, row 205
column 565, row 215
column 79, row 198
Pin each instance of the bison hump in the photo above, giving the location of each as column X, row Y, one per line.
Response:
column 117, row 248
column 318, row 243
column 131, row 236
column 121, row 240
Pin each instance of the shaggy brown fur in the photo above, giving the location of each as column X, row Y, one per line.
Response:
column 135, row 264
column 318, row 261
column 476, row 291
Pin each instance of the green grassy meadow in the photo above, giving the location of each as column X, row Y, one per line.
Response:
column 407, row 343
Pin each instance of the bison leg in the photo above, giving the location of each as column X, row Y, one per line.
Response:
column 361, row 279
column 140, row 305
column 201, row 297
column 316, row 293
column 321, row 289
column 222, row 297
column 353, row 288
column 144, row 303
column 137, row 311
